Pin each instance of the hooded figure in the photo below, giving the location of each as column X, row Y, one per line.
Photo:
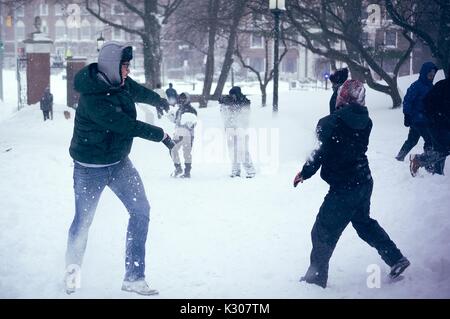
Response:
column 235, row 111
column 343, row 138
column 111, row 56
column 337, row 79
column 414, row 111
column 105, row 125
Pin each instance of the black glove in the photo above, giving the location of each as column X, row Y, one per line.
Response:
column 407, row 121
column 168, row 142
column 163, row 105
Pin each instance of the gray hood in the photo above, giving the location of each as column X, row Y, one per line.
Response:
column 109, row 60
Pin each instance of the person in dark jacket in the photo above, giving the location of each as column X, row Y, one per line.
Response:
column 105, row 125
column 172, row 94
column 235, row 111
column 344, row 136
column 414, row 110
column 337, row 79
column 185, row 120
column 437, row 110
column 46, row 104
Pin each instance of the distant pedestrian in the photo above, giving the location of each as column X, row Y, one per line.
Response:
column 172, row 95
column 46, row 104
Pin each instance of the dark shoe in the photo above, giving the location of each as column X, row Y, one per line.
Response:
column 178, row 171
column 313, row 277
column 414, row 164
column 187, row 171
column 399, row 267
column 400, row 158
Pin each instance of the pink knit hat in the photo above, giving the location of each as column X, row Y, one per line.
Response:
column 352, row 91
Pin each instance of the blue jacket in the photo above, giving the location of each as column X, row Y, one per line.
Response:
column 413, row 104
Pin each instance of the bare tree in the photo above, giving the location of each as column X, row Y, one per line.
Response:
column 324, row 23
column 429, row 21
column 237, row 14
column 153, row 14
column 268, row 72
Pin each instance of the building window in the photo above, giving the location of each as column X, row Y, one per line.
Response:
column 60, row 30
column 20, row 11
column 72, row 34
column 256, row 41
column 257, row 64
column 138, row 25
column 43, row 9
column 118, row 34
column 290, row 65
column 85, row 30
column 59, row 9
column 44, row 26
column 390, row 38
column 117, row 9
column 20, row 30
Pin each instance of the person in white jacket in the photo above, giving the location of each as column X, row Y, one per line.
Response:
column 185, row 119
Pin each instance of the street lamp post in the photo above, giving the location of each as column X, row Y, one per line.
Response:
column 100, row 42
column 276, row 7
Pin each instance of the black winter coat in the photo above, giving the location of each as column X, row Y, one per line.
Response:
column 344, row 137
column 437, row 105
column 105, row 120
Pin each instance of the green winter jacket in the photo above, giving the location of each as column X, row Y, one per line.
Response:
column 105, row 120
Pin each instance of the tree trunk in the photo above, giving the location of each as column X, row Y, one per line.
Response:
column 443, row 42
column 228, row 61
column 213, row 10
column 353, row 18
column 151, row 45
column 263, row 95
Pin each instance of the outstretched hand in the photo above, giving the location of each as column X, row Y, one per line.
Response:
column 168, row 142
column 298, row 179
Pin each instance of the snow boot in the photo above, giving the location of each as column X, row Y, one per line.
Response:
column 399, row 267
column 177, row 171
column 414, row 164
column 187, row 171
column 315, row 277
column 140, row 287
column 72, row 279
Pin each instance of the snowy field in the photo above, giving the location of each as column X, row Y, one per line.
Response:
column 213, row 236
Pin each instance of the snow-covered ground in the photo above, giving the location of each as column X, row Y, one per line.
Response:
column 213, row 236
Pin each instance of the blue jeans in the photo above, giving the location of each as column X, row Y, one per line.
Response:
column 124, row 180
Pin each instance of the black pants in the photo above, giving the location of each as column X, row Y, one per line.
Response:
column 434, row 159
column 340, row 207
column 415, row 132
column 46, row 115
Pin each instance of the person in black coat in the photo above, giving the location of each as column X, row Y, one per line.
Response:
column 437, row 110
column 171, row 94
column 105, row 126
column 337, row 79
column 46, row 104
column 344, row 136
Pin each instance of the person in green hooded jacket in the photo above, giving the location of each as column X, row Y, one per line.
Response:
column 105, row 125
